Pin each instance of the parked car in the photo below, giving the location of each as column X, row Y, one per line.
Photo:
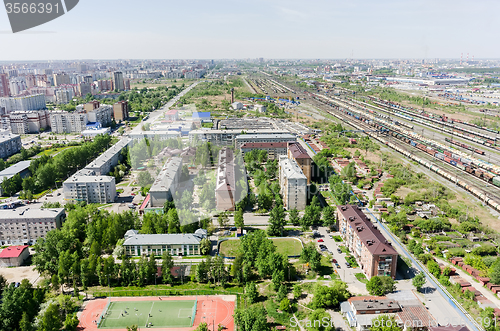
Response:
column 320, row 240
column 334, row 261
column 338, row 266
column 339, row 250
column 347, row 264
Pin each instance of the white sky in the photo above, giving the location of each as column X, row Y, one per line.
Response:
column 167, row 29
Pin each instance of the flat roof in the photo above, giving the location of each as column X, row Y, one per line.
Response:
column 225, row 171
column 109, row 153
column 7, row 137
column 89, row 179
column 163, row 239
column 247, row 133
column 166, row 176
column 291, row 169
column 373, row 303
column 371, row 237
column 30, row 213
column 284, row 135
column 15, row 169
column 264, row 145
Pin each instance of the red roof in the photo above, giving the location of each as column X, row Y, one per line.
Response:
column 171, row 112
column 12, row 251
column 298, row 152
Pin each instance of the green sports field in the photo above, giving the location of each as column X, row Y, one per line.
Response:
column 162, row 314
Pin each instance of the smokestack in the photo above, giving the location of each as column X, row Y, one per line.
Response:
column 232, row 95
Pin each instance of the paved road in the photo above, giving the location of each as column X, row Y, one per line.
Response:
column 154, row 115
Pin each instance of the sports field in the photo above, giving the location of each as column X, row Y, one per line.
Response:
column 161, row 314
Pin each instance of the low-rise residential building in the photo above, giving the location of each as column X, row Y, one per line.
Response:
column 25, row 225
column 299, row 154
column 293, row 184
column 14, row 256
column 177, row 244
column 91, row 188
column 274, row 150
column 372, row 251
column 166, row 182
column 172, row 115
column 225, row 185
column 10, row 144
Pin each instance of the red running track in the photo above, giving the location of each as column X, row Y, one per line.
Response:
column 208, row 310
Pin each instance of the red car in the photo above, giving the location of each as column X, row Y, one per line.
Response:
column 320, row 240
column 334, row 261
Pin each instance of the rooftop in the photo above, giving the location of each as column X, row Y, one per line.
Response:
column 291, row 169
column 89, row 179
column 283, row 135
column 264, row 145
column 12, row 251
column 367, row 232
column 448, row 328
column 172, row 112
column 373, row 303
column 30, row 213
column 109, row 153
column 13, row 170
column 225, row 171
column 163, row 239
column 166, row 176
column 201, row 114
column 298, row 152
column 7, row 137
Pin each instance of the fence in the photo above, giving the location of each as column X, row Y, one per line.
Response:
column 105, row 310
column 194, row 311
column 161, row 292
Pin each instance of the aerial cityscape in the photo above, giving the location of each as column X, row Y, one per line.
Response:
column 236, row 177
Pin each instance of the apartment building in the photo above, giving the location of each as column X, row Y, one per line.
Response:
column 274, row 150
column 61, row 79
column 118, row 81
column 4, row 86
column 105, row 85
column 225, row 185
column 64, row 122
column 26, row 225
column 91, row 188
column 90, row 106
column 120, row 111
column 10, row 144
column 109, row 159
column 23, row 122
column 293, row 184
column 166, row 182
column 101, row 115
column 372, row 251
column 264, row 136
column 64, row 95
column 23, row 103
column 299, row 154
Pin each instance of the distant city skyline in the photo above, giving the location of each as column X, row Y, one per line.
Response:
column 386, row 29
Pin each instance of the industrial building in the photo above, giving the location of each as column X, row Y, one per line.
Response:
column 228, row 137
column 293, row 184
column 10, row 144
column 14, row 256
column 26, row 225
column 247, row 124
column 177, row 244
column 262, row 137
column 299, row 154
column 91, row 188
column 166, row 182
column 372, row 251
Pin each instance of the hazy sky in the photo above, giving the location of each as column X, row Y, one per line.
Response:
column 166, row 29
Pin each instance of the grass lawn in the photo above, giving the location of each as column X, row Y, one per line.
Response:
column 287, row 246
column 344, row 249
column 54, row 151
column 352, row 261
column 337, row 238
column 361, row 277
column 164, row 314
column 123, row 184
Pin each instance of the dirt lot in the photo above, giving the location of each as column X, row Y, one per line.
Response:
column 19, row 273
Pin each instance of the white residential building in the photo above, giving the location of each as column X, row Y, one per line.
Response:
column 101, row 115
column 64, row 95
column 30, row 102
column 26, row 225
column 293, row 184
column 166, row 182
column 91, row 189
column 64, row 122
column 23, row 122
column 107, row 160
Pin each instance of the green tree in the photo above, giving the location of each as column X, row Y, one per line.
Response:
column 167, row 263
column 253, row 318
column 251, row 292
column 419, row 281
column 311, row 255
column 330, row 296
column 294, row 217
column 488, row 319
column 277, row 221
column 238, row 219
column 25, row 324
column 285, row 305
column 205, row 246
column 434, row 268
column 329, row 216
column 297, row 291
column 388, row 284
column 374, row 286
column 320, row 320
column 134, row 328
column 202, row 327
column 144, row 178
column 494, row 272
column 51, row 319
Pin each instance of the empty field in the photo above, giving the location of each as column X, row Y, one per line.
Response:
column 287, row 246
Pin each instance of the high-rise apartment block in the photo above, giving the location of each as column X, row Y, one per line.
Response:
column 10, row 144
column 61, row 79
column 64, row 122
column 120, row 111
column 118, row 81
column 30, row 102
column 4, row 86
